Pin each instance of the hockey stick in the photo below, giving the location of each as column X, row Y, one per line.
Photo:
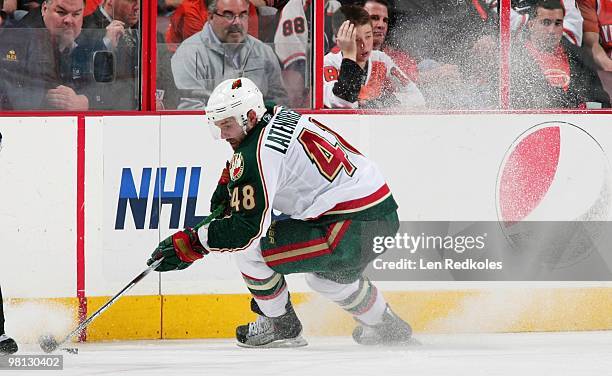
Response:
column 49, row 344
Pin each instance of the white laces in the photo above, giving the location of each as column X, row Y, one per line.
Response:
column 260, row 326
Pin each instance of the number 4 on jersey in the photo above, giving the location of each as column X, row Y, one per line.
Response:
column 328, row 158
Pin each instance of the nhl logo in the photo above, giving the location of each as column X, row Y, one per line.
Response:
column 236, row 166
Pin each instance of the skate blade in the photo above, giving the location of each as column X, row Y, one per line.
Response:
column 279, row 344
column 408, row 343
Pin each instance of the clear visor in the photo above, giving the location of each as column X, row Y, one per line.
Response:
column 226, row 128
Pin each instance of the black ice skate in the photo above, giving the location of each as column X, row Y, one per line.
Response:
column 392, row 331
column 7, row 345
column 267, row 332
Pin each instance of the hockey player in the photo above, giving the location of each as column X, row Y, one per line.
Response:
column 7, row 344
column 337, row 201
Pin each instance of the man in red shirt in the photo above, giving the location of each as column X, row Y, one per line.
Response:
column 597, row 29
column 187, row 19
column 547, row 71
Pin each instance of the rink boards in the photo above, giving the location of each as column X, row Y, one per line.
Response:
column 81, row 214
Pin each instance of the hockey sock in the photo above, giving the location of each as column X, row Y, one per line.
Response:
column 271, row 294
column 360, row 298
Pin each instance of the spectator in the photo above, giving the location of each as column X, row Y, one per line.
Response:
column 123, row 13
column 598, row 31
column 120, row 20
column 48, row 66
column 598, row 37
column 547, row 71
column 291, row 47
column 379, row 15
column 187, row 19
column 191, row 15
column 355, row 76
column 223, row 50
column 572, row 22
column 292, row 43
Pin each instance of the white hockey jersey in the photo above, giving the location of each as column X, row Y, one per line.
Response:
column 382, row 74
column 291, row 36
column 297, row 166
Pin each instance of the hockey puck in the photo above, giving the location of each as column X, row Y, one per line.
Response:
column 47, row 343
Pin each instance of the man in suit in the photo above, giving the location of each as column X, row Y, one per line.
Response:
column 118, row 17
column 115, row 22
column 46, row 61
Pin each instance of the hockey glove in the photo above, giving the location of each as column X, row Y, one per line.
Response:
column 179, row 251
column 221, row 194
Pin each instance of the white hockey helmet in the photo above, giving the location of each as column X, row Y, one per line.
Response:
column 234, row 98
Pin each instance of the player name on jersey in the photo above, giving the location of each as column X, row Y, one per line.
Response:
column 281, row 131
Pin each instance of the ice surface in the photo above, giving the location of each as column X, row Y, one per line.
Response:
column 548, row 354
